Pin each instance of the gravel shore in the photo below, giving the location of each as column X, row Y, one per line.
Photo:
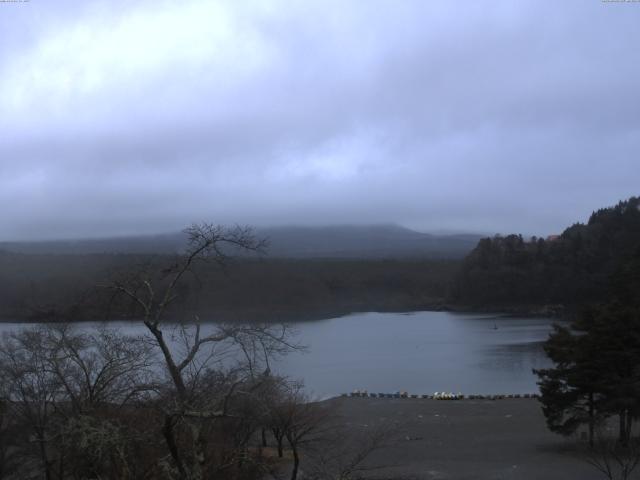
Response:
column 466, row 439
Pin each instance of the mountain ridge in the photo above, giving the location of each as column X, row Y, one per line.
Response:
column 292, row 241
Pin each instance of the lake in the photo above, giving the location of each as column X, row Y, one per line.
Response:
column 419, row 352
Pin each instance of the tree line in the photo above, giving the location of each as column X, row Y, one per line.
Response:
column 593, row 271
column 595, row 379
column 47, row 288
column 596, row 373
column 178, row 400
column 585, row 264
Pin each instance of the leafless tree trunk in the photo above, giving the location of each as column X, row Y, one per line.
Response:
column 296, row 460
column 615, row 460
column 257, row 343
column 279, row 436
column 73, row 391
column 294, row 417
column 55, row 379
column 30, row 388
column 348, row 452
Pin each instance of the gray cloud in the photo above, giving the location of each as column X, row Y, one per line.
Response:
column 125, row 117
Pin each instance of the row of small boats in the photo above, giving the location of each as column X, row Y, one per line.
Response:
column 437, row 395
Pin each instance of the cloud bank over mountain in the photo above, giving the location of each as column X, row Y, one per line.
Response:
column 139, row 117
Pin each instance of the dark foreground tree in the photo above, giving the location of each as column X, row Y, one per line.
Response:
column 613, row 460
column 177, row 401
column 570, row 270
column 65, row 394
column 204, row 387
column 349, row 452
column 596, row 373
column 568, row 391
column 93, row 403
column 299, row 420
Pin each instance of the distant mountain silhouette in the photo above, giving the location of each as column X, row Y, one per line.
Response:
column 343, row 241
column 374, row 241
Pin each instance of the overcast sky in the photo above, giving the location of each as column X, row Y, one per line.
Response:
column 122, row 117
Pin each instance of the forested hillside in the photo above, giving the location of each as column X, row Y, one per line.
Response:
column 337, row 241
column 586, row 263
column 68, row 287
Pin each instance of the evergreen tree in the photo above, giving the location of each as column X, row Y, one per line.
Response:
column 573, row 269
column 568, row 392
column 596, row 373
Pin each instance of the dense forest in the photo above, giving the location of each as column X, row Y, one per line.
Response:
column 69, row 287
column 185, row 401
column 587, row 263
column 301, row 273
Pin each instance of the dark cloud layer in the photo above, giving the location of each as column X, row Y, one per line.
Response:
column 136, row 117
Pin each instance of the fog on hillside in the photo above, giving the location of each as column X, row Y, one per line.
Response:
column 319, row 240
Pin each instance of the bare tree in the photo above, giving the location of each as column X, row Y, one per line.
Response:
column 102, row 374
column 31, row 391
column 192, row 399
column 9, row 461
column 59, row 384
column 91, row 403
column 299, row 420
column 153, row 297
column 616, row 461
column 98, row 368
column 346, row 453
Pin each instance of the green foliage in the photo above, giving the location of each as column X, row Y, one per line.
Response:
column 573, row 269
column 597, row 370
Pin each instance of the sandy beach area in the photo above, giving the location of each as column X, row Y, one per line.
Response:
column 465, row 439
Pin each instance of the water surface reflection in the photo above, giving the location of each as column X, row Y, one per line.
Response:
column 421, row 352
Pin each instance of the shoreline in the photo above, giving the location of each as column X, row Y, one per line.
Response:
column 440, row 396
column 465, row 439
column 292, row 316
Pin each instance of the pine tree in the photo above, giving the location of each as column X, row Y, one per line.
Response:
column 568, row 391
column 596, row 373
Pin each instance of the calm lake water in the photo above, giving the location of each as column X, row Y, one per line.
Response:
column 420, row 352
